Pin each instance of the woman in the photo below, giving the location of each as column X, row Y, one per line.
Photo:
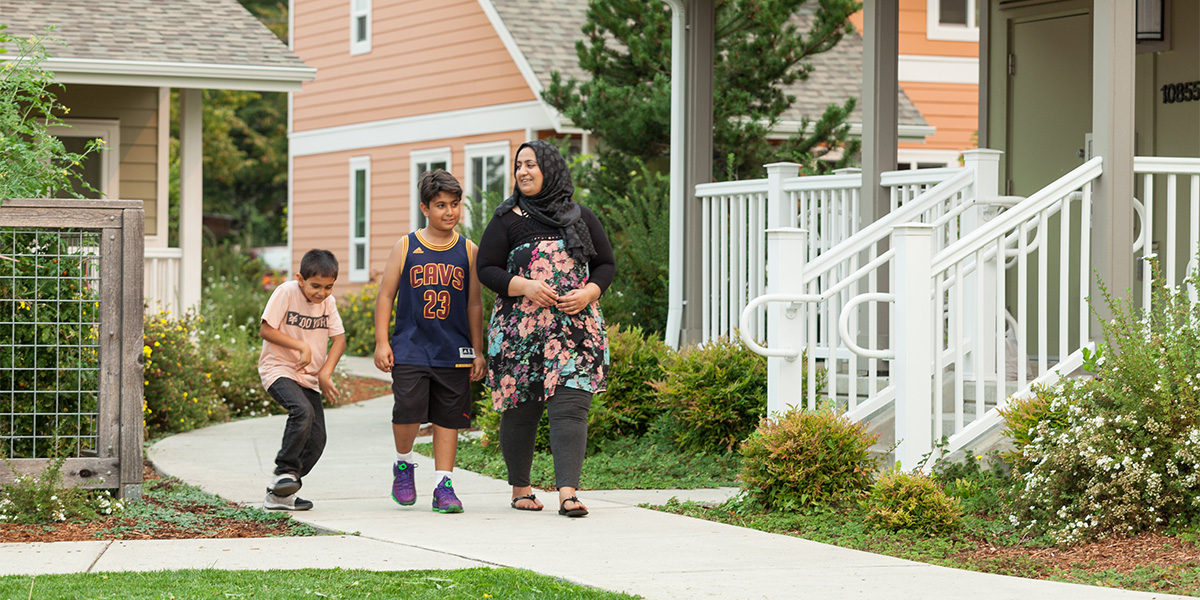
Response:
column 548, row 260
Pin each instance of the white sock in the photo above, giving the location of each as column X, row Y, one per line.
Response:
column 406, row 457
column 438, row 475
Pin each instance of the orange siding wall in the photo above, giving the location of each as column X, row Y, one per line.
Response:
column 321, row 198
column 951, row 107
column 426, row 56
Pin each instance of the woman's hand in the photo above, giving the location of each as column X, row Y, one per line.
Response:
column 539, row 292
column 575, row 301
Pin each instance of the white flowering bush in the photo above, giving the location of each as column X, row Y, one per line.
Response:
column 1119, row 453
column 42, row 499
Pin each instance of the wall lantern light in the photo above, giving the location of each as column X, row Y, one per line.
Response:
column 1150, row 20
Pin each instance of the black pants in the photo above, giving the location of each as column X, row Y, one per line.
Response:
column 304, row 434
column 568, row 409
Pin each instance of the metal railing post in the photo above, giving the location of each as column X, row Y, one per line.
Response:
column 785, row 324
column 913, row 326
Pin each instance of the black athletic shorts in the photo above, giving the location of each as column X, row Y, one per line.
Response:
column 438, row 395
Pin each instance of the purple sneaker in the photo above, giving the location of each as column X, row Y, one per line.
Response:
column 404, row 491
column 444, row 500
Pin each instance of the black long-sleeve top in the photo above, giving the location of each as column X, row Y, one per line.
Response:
column 511, row 230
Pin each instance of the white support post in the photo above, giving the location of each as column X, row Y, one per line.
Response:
column 780, row 212
column 785, row 326
column 191, row 197
column 980, row 285
column 913, row 366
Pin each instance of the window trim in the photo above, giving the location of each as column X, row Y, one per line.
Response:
column 934, row 30
column 484, row 150
column 360, row 163
column 108, row 130
column 416, row 157
column 360, row 47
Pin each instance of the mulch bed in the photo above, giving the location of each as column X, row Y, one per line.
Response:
column 1117, row 555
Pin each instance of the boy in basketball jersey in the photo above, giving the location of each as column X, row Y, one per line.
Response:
column 436, row 347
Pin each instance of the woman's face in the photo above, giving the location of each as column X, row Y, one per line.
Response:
column 529, row 175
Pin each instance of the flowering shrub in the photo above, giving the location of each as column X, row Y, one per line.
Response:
column 1125, row 455
column 42, row 499
column 913, row 501
column 804, row 457
column 358, row 316
column 231, row 363
column 179, row 395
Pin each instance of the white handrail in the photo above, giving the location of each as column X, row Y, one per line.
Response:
column 744, row 320
column 844, row 325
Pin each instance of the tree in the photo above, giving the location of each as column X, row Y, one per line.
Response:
column 759, row 51
column 33, row 163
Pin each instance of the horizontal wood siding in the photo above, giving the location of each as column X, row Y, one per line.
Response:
column 951, row 107
column 321, row 199
column 137, row 110
column 426, row 56
column 912, row 33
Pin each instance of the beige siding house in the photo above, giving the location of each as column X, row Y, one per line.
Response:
column 405, row 86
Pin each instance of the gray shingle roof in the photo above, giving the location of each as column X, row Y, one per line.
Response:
column 546, row 31
column 211, row 32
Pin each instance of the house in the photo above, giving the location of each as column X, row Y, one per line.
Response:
column 120, row 61
column 394, row 99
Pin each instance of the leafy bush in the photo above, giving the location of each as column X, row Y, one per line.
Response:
column 179, row 394
column 981, row 487
column 630, row 405
column 49, row 364
column 231, row 365
column 358, row 316
column 1126, row 458
column 236, row 289
column 803, row 457
column 637, row 226
column 42, row 499
column 716, row 393
column 912, row 501
column 1022, row 414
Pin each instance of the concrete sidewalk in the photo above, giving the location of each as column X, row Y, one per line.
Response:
column 617, row 547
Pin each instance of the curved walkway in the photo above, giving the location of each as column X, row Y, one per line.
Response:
column 617, row 547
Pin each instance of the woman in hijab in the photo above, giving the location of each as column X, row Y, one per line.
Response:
column 548, row 260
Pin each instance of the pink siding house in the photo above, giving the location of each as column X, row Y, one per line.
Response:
column 405, row 86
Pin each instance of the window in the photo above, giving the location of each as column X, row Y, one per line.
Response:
column 952, row 20
column 360, row 26
column 99, row 169
column 487, row 180
column 425, row 160
column 360, row 218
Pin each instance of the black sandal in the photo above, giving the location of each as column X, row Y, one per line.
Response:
column 574, row 512
column 530, row 497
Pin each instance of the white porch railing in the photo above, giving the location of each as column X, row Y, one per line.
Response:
column 1164, row 182
column 162, row 276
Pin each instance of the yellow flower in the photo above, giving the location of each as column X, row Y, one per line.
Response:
column 156, row 344
column 147, row 351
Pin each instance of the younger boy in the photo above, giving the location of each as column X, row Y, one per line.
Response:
column 297, row 325
column 436, row 347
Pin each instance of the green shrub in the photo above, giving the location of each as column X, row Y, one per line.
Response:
column 630, row 405
column 357, row 310
column 716, row 393
column 236, row 289
column 43, row 499
column 807, row 457
column 912, row 501
column 49, row 365
column 1126, row 459
column 230, row 362
column 1022, row 414
column 980, row 484
column 179, row 394
column 638, row 228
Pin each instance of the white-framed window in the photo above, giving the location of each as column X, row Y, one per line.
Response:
column 360, row 26
column 360, row 218
column 487, row 176
column 100, row 169
column 421, row 161
column 952, row 20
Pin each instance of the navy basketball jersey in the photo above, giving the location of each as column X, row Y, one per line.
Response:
column 431, row 304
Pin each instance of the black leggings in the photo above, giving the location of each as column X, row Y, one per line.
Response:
column 568, row 409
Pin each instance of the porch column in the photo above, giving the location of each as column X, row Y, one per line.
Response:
column 191, row 197
column 1113, row 41
column 881, row 51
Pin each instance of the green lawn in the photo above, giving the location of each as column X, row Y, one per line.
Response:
column 307, row 583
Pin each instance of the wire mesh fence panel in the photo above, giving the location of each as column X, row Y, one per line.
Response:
column 49, row 342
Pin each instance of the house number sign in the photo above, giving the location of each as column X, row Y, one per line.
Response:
column 1181, row 92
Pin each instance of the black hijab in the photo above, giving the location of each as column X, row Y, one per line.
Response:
column 553, row 206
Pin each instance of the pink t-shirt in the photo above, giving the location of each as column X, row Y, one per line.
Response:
column 292, row 314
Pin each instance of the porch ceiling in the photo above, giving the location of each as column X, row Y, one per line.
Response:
column 180, row 43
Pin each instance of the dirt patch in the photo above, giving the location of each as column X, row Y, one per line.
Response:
column 358, row 389
column 1117, row 555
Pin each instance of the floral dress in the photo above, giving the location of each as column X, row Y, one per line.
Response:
column 533, row 349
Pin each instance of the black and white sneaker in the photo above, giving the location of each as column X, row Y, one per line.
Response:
column 284, row 485
column 289, row 502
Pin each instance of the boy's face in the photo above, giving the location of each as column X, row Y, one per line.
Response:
column 316, row 288
column 442, row 212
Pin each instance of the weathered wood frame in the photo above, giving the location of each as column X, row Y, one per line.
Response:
column 121, row 224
